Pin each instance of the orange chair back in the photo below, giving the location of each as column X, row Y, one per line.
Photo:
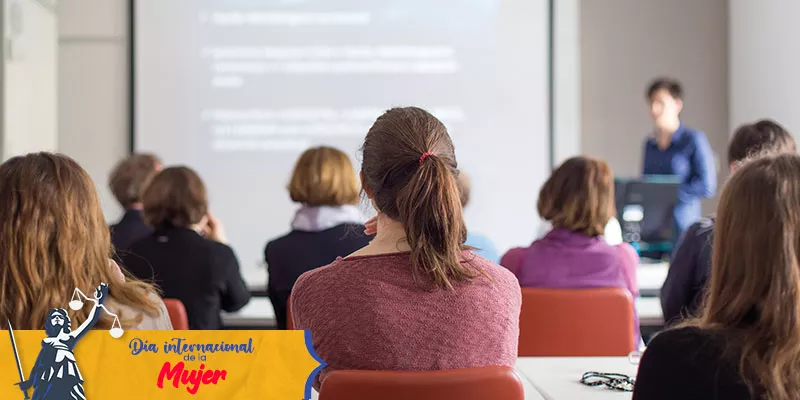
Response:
column 177, row 314
column 576, row 322
column 485, row 383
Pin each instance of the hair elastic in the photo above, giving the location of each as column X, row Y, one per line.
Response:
column 424, row 156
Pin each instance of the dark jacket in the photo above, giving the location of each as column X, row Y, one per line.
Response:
column 291, row 255
column 130, row 229
column 689, row 270
column 201, row 273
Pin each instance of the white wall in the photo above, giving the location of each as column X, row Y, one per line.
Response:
column 29, row 77
column 765, row 62
column 93, row 88
column 566, row 79
column 626, row 43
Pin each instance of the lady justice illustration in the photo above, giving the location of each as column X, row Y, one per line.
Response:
column 55, row 375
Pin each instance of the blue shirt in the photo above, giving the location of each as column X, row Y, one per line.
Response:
column 688, row 156
column 483, row 246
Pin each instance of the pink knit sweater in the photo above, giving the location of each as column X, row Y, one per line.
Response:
column 368, row 313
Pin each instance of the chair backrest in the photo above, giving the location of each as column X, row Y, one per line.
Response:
column 484, row 383
column 576, row 322
column 177, row 314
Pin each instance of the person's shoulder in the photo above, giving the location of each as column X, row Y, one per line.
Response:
column 701, row 228
column 218, row 248
column 318, row 276
column 280, row 241
column 502, row 275
column 687, row 341
column 512, row 259
column 346, row 233
column 137, row 252
column 685, row 362
column 500, row 285
column 158, row 321
column 143, row 242
column 695, row 135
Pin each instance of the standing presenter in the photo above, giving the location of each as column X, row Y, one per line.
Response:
column 676, row 149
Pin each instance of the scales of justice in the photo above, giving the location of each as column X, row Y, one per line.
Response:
column 55, row 375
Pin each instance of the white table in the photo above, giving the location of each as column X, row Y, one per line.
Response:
column 649, row 310
column 256, row 278
column 651, row 277
column 258, row 313
column 557, row 378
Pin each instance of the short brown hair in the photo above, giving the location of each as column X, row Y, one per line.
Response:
column 176, row 197
column 763, row 136
column 324, row 176
column 579, row 196
column 671, row 85
column 130, row 176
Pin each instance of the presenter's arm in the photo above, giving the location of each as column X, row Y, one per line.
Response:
column 704, row 179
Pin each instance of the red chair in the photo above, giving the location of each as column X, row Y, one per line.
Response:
column 484, row 383
column 177, row 314
column 576, row 322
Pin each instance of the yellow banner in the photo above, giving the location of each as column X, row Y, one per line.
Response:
column 161, row 365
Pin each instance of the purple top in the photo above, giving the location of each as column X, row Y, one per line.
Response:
column 567, row 259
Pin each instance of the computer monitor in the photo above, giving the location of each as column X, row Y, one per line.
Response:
column 645, row 210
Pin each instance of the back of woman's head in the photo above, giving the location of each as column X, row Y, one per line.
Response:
column 579, row 196
column 409, row 170
column 754, row 294
column 53, row 239
column 324, row 176
column 176, row 197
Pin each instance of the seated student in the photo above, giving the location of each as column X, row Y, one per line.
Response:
column 127, row 182
column 578, row 200
column 746, row 342
column 327, row 225
column 413, row 298
column 691, row 262
column 53, row 239
column 612, row 233
column 482, row 245
column 186, row 256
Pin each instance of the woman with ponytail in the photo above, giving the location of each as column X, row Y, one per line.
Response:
column 415, row 298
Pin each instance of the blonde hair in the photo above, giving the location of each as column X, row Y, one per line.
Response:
column 53, row 239
column 753, row 298
column 579, row 196
column 324, row 176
